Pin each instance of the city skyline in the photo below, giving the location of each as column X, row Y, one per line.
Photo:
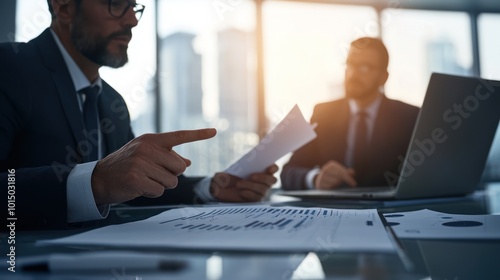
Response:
column 304, row 52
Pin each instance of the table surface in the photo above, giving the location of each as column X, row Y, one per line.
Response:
column 420, row 259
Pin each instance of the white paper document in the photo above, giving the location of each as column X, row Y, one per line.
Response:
column 428, row 224
column 290, row 134
column 246, row 228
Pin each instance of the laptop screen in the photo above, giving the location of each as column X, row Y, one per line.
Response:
column 492, row 170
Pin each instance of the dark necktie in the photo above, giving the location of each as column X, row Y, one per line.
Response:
column 361, row 142
column 90, row 119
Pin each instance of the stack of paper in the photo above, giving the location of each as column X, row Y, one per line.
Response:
column 248, row 228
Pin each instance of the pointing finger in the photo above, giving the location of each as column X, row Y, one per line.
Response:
column 171, row 139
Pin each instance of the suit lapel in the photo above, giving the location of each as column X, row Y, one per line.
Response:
column 63, row 83
column 109, row 121
column 381, row 130
column 115, row 120
column 335, row 142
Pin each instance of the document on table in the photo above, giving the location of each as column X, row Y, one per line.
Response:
column 290, row 134
column 245, row 228
column 428, row 224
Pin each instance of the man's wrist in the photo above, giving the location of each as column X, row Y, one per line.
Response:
column 80, row 198
column 203, row 190
column 310, row 178
column 96, row 189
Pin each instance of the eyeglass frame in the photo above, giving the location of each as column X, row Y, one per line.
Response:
column 361, row 67
column 138, row 9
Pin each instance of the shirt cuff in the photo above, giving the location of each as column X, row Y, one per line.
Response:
column 310, row 178
column 202, row 190
column 79, row 195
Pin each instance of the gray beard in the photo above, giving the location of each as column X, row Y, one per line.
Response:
column 95, row 49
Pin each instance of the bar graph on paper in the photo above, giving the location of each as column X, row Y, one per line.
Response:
column 244, row 228
column 250, row 219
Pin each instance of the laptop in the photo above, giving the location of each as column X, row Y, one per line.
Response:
column 448, row 148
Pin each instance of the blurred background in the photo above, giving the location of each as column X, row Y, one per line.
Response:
column 241, row 65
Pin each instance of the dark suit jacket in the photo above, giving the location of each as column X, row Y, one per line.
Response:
column 41, row 126
column 391, row 135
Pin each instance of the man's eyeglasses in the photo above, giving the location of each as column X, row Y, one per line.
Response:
column 118, row 8
column 361, row 68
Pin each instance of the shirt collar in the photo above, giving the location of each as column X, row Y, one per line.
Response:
column 371, row 110
column 79, row 79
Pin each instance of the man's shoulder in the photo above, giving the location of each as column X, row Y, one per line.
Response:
column 13, row 51
column 20, row 49
column 401, row 109
column 19, row 54
column 108, row 89
column 16, row 59
column 400, row 105
column 337, row 103
column 10, row 47
column 111, row 94
column 27, row 52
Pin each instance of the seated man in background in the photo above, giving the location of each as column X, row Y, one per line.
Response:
column 361, row 137
column 67, row 150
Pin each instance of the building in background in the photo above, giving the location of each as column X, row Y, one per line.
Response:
column 182, row 98
column 181, row 92
column 442, row 58
column 237, row 102
column 236, row 80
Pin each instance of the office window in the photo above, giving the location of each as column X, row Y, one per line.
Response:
column 489, row 44
column 305, row 48
column 207, row 77
column 306, row 45
column 134, row 81
column 422, row 42
column 32, row 17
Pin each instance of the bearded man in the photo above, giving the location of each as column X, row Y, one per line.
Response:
column 67, row 151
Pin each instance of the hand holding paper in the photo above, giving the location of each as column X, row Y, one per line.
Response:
column 229, row 188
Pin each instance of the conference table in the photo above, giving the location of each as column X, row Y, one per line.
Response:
column 414, row 259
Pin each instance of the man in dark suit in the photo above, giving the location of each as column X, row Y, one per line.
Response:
column 66, row 147
column 363, row 137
